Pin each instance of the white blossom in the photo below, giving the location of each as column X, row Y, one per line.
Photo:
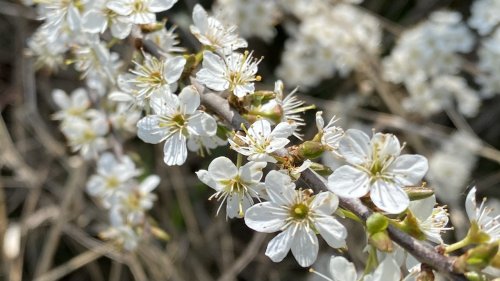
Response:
column 486, row 218
column 330, row 134
column 211, row 32
column 343, row 270
column 152, row 76
column 99, row 18
column 255, row 18
column 235, row 72
column 234, row 186
column 134, row 201
column 175, row 118
column 376, row 167
column 75, row 105
column 432, row 219
column 111, row 178
column 260, row 142
column 299, row 216
column 484, row 15
column 140, row 11
column 87, row 135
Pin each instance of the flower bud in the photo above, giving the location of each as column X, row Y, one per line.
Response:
column 477, row 258
column 376, row 223
column 418, row 192
column 381, row 241
column 160, row 233
column 310, row 150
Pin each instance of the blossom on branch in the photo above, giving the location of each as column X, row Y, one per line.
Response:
column 175, row 118
column 376, row 167
column 299, row 215
column 235, row 186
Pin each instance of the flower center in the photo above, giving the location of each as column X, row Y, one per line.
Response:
column 112, row 182
column 139, row 6
column 179, row 120
column 299, row 211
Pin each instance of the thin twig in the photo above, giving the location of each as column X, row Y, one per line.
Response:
column 75, row 180
column 74, row 264
column 245, row 258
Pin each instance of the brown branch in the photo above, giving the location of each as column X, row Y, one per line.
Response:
column 421, row 251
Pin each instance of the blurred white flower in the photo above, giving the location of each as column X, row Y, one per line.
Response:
column 175, row 118
column 452, row 165
column 253, row 18
column 376, row 167
column 260, row 141
column 299, row 215
column 484, row 15
column 111, row 178
column 427, row 60
column 235, row 72
column 75, row 105
column 87, row 135
column 309, row 57
column 136, row 199
column 234, row 186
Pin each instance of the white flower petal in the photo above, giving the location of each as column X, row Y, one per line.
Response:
column 252, row 171
column 349, row 182
column 200, row 18
column 173, row 68
column 61, row 99
column 305, row 247
column 149, row 183
column 260, row 129
column 222, row 169
column 280, row 188
column 265, row 217
column 94, row 21
column 388, row 270
column 332, row 231
column 279, row 246
column 342, row 270
column 150, row 131
column 325, row 203
column 205, row 177
column 409, row 169
column 202, row 124
column 386, row 144
column 422, row 209
column 118, row 7
column 157, row 6
column 471, row 205
column 189, row 98
column 355, row 146
column 282, row 130
column 389, row 197
column 175, row 150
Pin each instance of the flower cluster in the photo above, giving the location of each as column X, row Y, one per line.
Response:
column 118, row 190
column 167, row 96
column 427, row 60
